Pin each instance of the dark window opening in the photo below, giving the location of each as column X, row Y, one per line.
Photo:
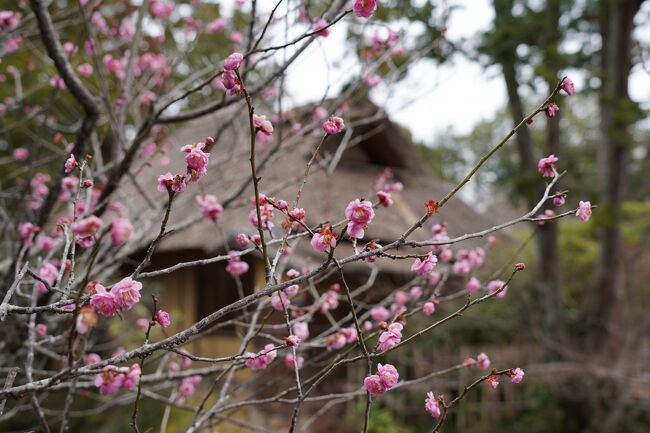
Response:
column 217, row 289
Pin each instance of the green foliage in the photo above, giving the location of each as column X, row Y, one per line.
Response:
column 382, row 419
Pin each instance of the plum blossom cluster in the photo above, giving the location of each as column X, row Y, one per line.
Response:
column 324, row 239
column 236, row 266
column 330, row 299
column 339, row 339
column 552, row 108
column 197, row 164
column 424, row 265
column 230, row 79
column 390, row 337
column 122, row 296
column 359, row 213
column 262, row 359
column 112, row 379
column 187, row 387
column 210, row 207
column 546, row 167
column 386, row 378
column 267, row 214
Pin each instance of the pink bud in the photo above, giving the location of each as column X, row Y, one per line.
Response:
column 41, row 330
column 163, row 318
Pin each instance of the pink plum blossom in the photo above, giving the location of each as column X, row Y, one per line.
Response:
column 121, row 231
column 401, row 297
column 297, row 213
column 26, row 230
column 517, row 375
column 546, row 166
column 473, row 285
column 126, row 293
column 49, row 273
column 584, row 210
column 41, row 330
column 428, row 308
column 301, row 330
column 216, row 26
column 559, row 200
column 385, row 198
column 236, row 266
column 280, row 302
column 551, row 110
column 86, row 319
column 359, row 214
column 320, row 27
column 242, row 240
column 334, row 125
column 495, row 286
column 210, row 207
column 323, row 240
column 9, row 20
column 109, row 381
column 103, row 301
column 169, row 182
column 292, row 290
column 163, row 318
column 57, row 82
column 568, row 86
column 131, row 376
column 329, row 301
column 231, row 83
column 46, row 243
column 388, row 375
column 233, row 61
column 85, row 70
column 372, row 80
column 288, row 361
column 390, row 337
column 292, row 340
column 335, row 341
column 431, row 405
column 320, row 114
column 424, row 266
column 20, row 154
column 374, row 384
column 365, row 8
column 483, row 361
column 162, row 10
column 92, row 358
column 379, row 314
column 197, row 160
column 350, row 334
column 266, row 213
column 262, row 125
column 185, row 390
column 262, row 359
column 71, row 163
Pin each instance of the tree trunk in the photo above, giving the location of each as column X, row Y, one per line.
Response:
column 617, row 25
column 546, row 282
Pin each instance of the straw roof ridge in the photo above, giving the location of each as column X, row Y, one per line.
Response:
column 324, row 196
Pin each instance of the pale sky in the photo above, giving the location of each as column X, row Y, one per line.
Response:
column 431, row 98
column 459, row 93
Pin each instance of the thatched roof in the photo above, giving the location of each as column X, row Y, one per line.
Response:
column 325, row 195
